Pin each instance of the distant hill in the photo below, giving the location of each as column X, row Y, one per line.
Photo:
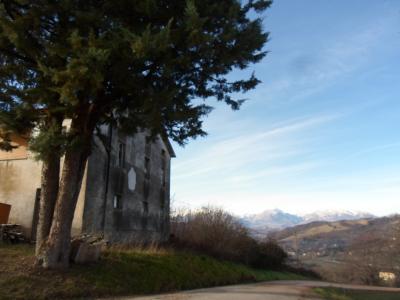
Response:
column 277, row 219
column 345, row 250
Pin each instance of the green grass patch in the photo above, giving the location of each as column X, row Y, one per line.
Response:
column 121, row 272
column 347, row 294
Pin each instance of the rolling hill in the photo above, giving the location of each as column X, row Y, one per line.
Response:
column 343, row 249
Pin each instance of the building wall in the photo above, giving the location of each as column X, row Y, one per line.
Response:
column 19, row 180
column 142, row 213
column 132, row 206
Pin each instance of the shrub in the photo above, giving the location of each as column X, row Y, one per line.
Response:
column 269, row 255
column 217, row 233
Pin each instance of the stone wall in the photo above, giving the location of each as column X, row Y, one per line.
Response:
column 133, row 206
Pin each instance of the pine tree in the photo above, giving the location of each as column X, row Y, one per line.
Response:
column 132, row 64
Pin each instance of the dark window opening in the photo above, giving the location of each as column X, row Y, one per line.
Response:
column 162, row 198
column 145, row 207
column 148, row 146
column 147, row 167
column 146, row 189
column 121, row 155
column 163, row 168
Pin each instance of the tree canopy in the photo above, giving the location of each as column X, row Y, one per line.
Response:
column 138, row 63
column 129, row 63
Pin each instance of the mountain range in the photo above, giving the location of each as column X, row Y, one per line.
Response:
column 277, row 219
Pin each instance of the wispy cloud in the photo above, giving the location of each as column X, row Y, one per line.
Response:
column 230, row 154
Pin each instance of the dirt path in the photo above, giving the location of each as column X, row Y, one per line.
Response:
column 274, row 290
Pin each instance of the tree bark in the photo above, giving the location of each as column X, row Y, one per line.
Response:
column 57, row 249
column 48, row 197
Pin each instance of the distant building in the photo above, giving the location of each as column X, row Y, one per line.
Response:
column 387, row 276
column 125, row 192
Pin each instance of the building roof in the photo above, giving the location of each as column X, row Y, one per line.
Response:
column 168, row 145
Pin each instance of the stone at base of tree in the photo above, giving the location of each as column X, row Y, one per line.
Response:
column 86, row 249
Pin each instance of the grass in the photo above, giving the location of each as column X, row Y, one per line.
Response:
column 347, row 294
column 121, row 272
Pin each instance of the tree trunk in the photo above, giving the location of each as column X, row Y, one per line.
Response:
column 57, row 249
column 48, row 197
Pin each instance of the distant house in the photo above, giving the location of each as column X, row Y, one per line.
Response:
column 387, row 276
column 125, row 192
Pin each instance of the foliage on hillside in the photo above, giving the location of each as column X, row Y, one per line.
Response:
column 121, row 272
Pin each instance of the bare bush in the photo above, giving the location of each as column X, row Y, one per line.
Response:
column 215, row 232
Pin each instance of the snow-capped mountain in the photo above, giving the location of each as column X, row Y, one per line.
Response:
column 335, row 215
column 271, row 219
column 278, row 219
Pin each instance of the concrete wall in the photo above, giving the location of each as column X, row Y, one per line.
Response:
column 143, row 212
column 19, row 180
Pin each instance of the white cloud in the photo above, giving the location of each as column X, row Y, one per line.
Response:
column 232, row 153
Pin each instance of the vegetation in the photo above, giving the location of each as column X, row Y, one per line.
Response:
column 217, row 233
column 347, row 294
column 121, row 272
column 131, row 64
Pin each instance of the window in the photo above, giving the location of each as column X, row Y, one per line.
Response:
column 163, row 168
column 147, row 149
column 162, row 198
column 146, row 188
column 145, row 207
column 147, row 167
column 117, row 203
column 121, row 155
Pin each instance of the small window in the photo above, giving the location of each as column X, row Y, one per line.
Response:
column 117, row 203
column 163, row 168
column 146, row 188
column 147, row 167
column 147, row 149
column 121, row 155
column 145, row 207
column 162, row 198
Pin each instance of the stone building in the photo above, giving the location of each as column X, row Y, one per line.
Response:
column 125, row 189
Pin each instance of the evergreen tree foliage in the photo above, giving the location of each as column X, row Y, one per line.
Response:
column 134, row 63
column 129, row 63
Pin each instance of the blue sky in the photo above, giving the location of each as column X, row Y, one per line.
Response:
column 322, row 130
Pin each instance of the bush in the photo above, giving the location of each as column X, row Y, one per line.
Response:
column 270, row 255
column 217, row 233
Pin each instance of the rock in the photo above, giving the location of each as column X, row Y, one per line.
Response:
column 86, row 249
